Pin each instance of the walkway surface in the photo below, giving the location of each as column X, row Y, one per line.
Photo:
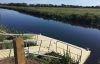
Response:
column 47, row 44
column 63, row 47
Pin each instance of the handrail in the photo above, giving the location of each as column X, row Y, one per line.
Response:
column 79, row 56
column 10, row 34
column 69, row 51
column 66, row 45
column 72, row 46
column 69, row 44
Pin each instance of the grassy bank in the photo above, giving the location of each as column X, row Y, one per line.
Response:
column 80, row 16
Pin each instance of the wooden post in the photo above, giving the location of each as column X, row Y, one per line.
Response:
column 56, row 46
column 1, row 46
column 40, row 47
column 19, row 54
column 49, row 45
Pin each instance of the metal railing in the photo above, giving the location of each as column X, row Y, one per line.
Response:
column 67, row 46
column 73, row 47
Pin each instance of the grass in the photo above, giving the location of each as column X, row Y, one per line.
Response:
column 65, row 59
column 11, row 60
column 8, row 45
column 2, row 38
column 3, row 29
column 58, row 11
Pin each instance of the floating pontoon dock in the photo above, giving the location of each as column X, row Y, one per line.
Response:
column 47, row 44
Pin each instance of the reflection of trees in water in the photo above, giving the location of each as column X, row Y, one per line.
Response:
column 0, row 18
column 87, row 20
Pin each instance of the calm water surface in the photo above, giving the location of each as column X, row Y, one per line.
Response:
column 80, row 36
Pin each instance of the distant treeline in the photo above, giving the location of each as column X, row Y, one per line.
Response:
column 48, row 5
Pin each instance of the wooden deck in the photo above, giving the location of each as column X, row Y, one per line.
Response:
column 47, row 44
column 62, row 47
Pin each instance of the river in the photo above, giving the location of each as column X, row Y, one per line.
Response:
column 81, row 36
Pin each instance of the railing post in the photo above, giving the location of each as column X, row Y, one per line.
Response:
column 1, row 46
column 80, row 55
column 56, row 46
column 40, row 47
column 49, row 45
column 67, row 47
column 19, row 54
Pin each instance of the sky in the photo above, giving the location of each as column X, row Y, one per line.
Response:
column 58, row 2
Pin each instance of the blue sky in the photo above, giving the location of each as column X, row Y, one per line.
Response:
column 68, row 2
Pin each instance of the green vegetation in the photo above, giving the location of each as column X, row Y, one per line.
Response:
column 79, row 16
column 57, row 11
column 7, row 45
column 26, row 37
column 3, row 29
column 29, row 44
column 65, row 59
column 2, row 38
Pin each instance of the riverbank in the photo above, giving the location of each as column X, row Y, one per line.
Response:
column 81, row 16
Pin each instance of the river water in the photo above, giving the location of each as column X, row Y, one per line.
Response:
column 81, row 36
